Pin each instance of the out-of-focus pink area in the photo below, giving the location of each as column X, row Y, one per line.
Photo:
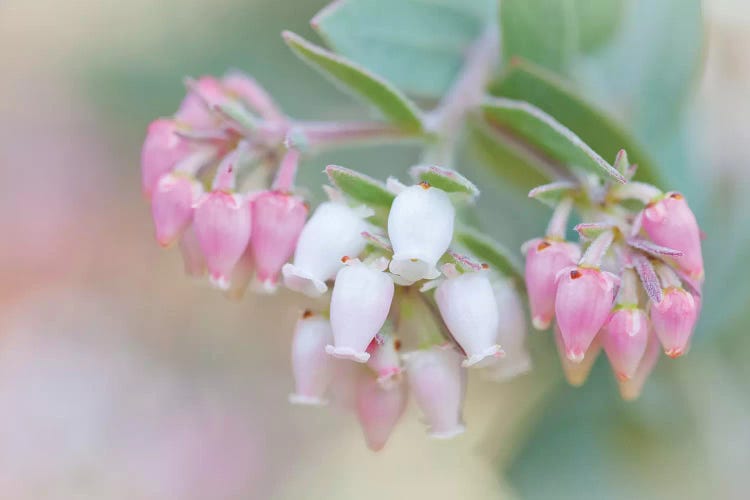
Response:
column 122, row 378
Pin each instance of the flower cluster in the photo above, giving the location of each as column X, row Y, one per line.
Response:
column 206, row 172
column 407, row 314
column 591, row 290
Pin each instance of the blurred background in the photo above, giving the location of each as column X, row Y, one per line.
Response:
column 122, row 378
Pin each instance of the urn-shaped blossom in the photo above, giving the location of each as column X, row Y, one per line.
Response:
column 379, row 409
column 468, row 308
column 545, row 258
column 583, row 302
column 624, row 339
column 313, row 369
column 360, row 303
column 162, row 149
column 278, row 219
column 420, row 227
column 631, row 388
column 669, row 222
column 673, row 320
column 437, row 382
column 334, row 231
column 222, row 222
column 172, row 206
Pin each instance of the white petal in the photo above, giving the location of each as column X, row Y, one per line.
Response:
column 313, row 369
column 301, row 281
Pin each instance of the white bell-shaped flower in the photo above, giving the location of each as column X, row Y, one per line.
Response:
column 512, row 334
column 360, row 302
column 313, row 368
column 469, row 310
column 438, row 384
column 333, row 231
column 420, row 227
column 379, row 409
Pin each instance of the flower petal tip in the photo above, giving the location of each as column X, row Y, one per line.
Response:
column 474, row 359
column 347, row 353
column 540, row 323
column 575, row 356
column 300, row 281
column 448, row 434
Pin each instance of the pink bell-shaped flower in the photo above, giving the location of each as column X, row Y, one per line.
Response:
column 379, row 409
column 631, row 388
column 192, row 255
column 360, row 302
column 469, row 310
column 584, row 299
column 384, row 358
column 222, row 222
column 545, row 258
column 669, row 222
column 312, row 367
column 334, row 231
column 512, row 334
column 172, row 206
column 624, row 338
column 248, row 90
column 673, row 320
column 577, row 373
column 278, row 219
column 162, row 149
column 420, row 227
column 438, row 384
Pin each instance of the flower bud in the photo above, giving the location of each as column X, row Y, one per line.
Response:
column 577, row 373
column 669, row 222
column 222, row 224
column 544, row 259
column 511, row 334
column 624, row 338
column 583, row 302
column 192, row 255
column 631, row 389
column 162, row 149
column 333, row 231
column 195, row 109
column 673, row 320
column 420, row 227
column 172, row 206
column 360, row 302
column 278, row 219
column 438, row 384
column 469, row 310
column 379, row 409
column 312, row 367
column 384, row 359
column 253, row 95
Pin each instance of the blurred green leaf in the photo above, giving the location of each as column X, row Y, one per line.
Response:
column 418, row 45
column 360, row 187
column 490, row 251
column 449, row 181
column 551, row 194
column 547, row 134
column 597, row 21
column 531, row 83
column 389, row 100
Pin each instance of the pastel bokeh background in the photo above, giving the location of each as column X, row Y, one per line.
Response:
column 122, row 378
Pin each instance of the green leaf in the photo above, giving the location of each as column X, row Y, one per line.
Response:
column 528, row 82
column 360, row 187
column 416, row 44
column 449, row 181
column 488, row 250
column 384, row 96
column 551, row 194
column 544, row 132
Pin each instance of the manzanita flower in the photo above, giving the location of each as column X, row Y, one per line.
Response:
column 334, row 231
column 674, row 319
column 312, row 367
column 631, row 388
column 384, row 358
column 420, row 227
column 624, row 339
column 576, row 373
column 253, row 94
column 360, row 303
column 162, row 150
column 278, row 219
column 172, row 206
column 379, row 409
column 512, row 334
column 222, row 222
column 437, row 382
column 469, row 310
column 584, row 298
column 669, row 222
column 545, row 258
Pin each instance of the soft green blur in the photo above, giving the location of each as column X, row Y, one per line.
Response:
column 122, row 378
